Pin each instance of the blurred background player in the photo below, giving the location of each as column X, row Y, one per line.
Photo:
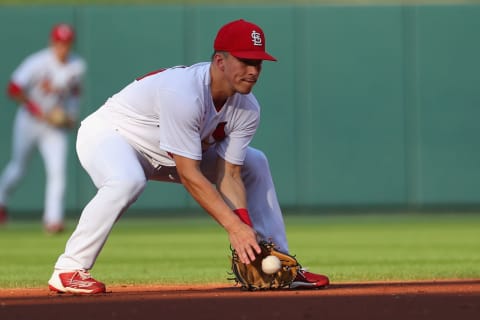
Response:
column 47, row 87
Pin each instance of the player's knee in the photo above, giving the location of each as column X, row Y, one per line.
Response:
column 256, row 159
column 135, row 186
column 15, row 170
column 128, row 188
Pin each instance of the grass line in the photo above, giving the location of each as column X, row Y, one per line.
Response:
column 348, row 248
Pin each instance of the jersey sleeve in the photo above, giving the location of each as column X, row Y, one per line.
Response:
column 234, row 147
column 179, row 118
column 24, row 74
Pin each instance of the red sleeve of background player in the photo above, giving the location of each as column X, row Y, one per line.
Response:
column 15, row 91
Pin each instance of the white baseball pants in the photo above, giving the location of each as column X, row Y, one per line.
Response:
column 120, row 173
column 52, row 144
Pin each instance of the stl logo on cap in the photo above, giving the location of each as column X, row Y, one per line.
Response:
column 256, row 38
column 242, row 39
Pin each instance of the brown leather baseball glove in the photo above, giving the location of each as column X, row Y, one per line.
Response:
column 251, row 276
column 57, row 117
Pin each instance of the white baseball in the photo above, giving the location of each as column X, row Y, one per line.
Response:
column 271, row 264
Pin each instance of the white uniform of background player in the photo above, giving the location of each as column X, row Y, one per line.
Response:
column 172, row 126
column 45, row 80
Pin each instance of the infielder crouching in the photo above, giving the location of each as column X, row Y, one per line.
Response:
column 190, row 125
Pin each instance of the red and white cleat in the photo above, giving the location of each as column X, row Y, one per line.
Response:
column 309, row 280
column 54, row 228
column 79, row 281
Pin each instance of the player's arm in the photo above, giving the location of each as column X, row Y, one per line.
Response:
column 241, row 236
column 72, row 100
column 230, row 185
column 16, row 92
column 72, row 106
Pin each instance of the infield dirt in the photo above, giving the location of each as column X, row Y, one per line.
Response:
column 452, row 299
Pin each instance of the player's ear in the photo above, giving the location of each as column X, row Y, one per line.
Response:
column 219, row 59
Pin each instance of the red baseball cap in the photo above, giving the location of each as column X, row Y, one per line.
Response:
column 242, row 39
column 62, row 33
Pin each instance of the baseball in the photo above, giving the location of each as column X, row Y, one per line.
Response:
column 271, row 264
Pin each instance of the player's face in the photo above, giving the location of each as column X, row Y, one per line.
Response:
column 61, row 49
column 242, row 74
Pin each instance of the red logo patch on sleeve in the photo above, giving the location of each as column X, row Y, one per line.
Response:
column 219, row 132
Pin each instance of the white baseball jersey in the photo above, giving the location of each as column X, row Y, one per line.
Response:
column 48, row 82
column 171, row 111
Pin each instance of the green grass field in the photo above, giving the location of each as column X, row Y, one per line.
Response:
column 349, row 248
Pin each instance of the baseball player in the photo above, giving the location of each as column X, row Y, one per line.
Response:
column 190, row 125
column 47, row 87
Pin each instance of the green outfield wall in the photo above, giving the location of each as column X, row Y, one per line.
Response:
column 367, row 105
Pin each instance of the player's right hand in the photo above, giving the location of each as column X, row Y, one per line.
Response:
column 244, row 240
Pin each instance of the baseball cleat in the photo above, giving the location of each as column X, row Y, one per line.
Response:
column 54, row 228
column 79, row 281
column 3, row 215
column 309, row 280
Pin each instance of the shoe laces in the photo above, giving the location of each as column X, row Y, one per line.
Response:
column 302, row 270
column 300, row 275
column 84, row 275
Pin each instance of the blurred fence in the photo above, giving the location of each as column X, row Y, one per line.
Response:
column 367, row 105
